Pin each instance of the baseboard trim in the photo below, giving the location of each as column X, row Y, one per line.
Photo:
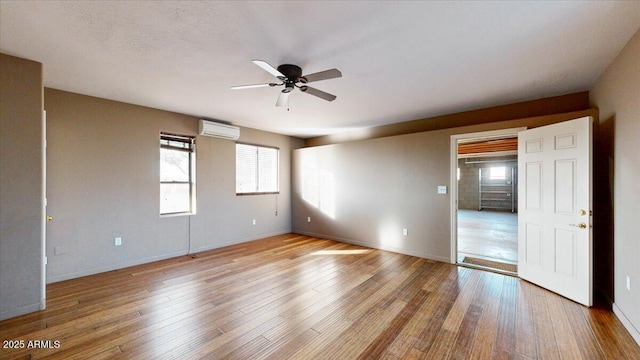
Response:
column 375, row 246
column 235, row 242
column 77, row 274
column 20, row 311
column 635, row 334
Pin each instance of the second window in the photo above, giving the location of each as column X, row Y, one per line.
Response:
column 256, row 169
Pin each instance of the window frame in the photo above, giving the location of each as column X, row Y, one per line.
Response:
column 257, row 172
column 191, row 150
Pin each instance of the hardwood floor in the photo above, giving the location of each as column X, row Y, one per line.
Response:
column 299, row 297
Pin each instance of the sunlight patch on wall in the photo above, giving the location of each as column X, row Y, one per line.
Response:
column 318, row 188
column 327, row 194
column 310, row 187
column 390, row 234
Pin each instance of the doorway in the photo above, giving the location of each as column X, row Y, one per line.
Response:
column 555, row 235
column 484, row 200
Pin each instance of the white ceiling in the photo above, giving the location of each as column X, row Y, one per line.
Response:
column 400, row 60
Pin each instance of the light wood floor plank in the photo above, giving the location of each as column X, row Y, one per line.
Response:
column 546, row 342
column 298, row 297
column 487, row 330
column 444, row 342
column 525, row 336
column 567, row 343
column 441, row 305
column 583, row 331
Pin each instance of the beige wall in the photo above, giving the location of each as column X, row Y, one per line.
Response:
column 366, row 192
column 103, row 182
column 617, row 94
column 21, row 159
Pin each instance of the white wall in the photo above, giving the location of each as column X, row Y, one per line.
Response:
column 617, row 94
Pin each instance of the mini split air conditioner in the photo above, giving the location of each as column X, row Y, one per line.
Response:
column 214, row 129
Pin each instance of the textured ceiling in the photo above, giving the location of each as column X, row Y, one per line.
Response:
column 400, row 60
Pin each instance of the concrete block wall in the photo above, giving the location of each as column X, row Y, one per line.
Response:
column 468, row 184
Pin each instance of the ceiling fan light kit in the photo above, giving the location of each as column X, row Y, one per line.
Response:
column 291, row 77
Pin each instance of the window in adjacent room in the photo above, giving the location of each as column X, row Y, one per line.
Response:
column 498, row 173
column 177, row 174
column 256, row 169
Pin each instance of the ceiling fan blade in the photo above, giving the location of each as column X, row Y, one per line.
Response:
column 252, row 86
column 322, row 75
column 319, row 93
column 270, row 69
column 283, row 98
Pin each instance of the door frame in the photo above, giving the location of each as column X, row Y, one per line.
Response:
column 43, row 218
column 453, row 185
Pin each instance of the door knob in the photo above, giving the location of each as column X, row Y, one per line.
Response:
column 48, row 218
column 582, row 212
column 581, row 225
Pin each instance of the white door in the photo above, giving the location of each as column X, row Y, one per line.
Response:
column 554, row 209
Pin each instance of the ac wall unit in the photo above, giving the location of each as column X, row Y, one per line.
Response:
column 214, row 129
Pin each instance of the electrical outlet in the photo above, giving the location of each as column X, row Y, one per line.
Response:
column 118, row 241
column 308, row 218
column 405, row 232
column 628, row 283
column 254, row 221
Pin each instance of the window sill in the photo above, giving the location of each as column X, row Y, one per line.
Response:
column 259, row 193
column 177, row 214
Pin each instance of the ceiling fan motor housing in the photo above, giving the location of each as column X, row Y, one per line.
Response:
column 292, row 72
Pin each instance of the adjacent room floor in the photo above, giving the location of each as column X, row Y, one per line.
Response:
column 488, row 235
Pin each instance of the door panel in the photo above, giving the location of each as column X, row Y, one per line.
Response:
column 554, row 222
column 533, row 246
column 533, row 200
column 565, row 252
column 565, row 179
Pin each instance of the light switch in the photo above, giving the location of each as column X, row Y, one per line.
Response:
column 442, row 189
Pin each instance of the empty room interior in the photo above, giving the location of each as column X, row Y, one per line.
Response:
column 307, row 180
column 487, row 216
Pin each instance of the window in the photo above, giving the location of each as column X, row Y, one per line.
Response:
column 256, row 169
column 177, row 174
column 497, row 173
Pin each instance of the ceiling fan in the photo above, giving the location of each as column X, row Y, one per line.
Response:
column 291, row 77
